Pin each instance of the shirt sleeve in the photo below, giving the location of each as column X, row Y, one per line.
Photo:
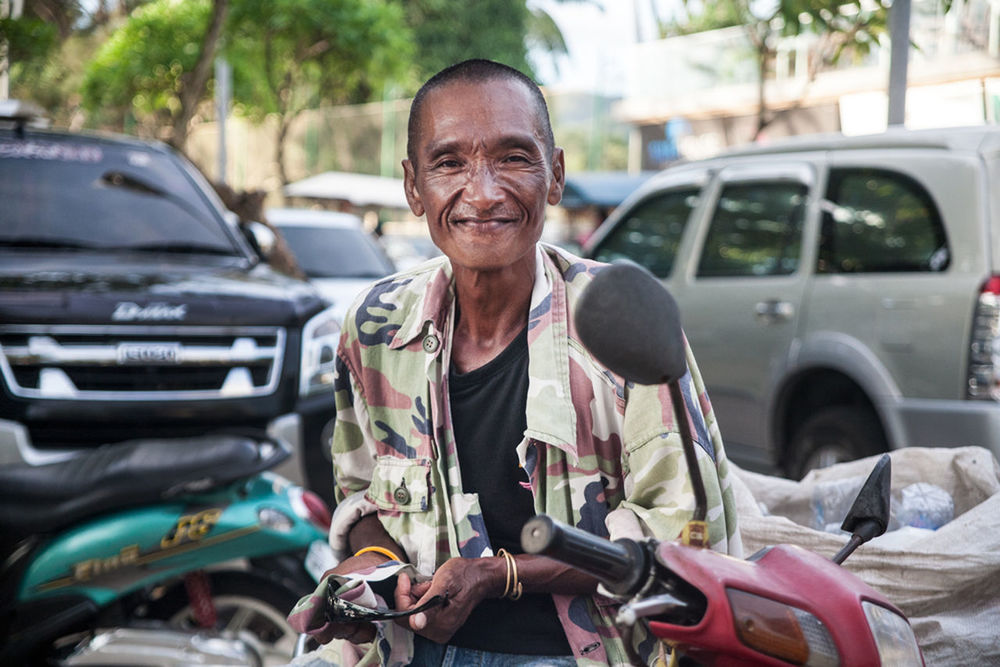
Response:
column 353, row 458
column 659, row 497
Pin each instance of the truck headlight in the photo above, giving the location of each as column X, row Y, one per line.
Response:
column 319, row 349
column 897, row 645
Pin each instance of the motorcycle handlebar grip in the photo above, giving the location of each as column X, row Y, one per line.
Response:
column 619, row 565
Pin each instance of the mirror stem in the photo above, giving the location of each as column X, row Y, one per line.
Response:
column 690, row 456
column 852, row 544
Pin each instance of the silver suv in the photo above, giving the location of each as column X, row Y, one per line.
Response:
column 842, row 295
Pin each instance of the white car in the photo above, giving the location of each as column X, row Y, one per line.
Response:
column 337, row 255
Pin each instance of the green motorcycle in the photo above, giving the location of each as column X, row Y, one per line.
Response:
column 157, row 552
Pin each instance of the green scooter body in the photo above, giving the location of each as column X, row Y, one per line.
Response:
column 114, row 554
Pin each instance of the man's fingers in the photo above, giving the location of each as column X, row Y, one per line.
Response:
column 418, row 621
column 418, row 591
column 402, row 593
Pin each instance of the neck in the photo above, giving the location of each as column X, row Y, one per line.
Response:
column 492, row 309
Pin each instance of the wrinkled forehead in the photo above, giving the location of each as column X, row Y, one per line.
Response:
column 479, row 110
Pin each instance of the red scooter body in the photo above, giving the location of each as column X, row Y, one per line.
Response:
column 787, row 574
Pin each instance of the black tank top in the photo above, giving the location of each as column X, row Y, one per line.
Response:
column 488, row 414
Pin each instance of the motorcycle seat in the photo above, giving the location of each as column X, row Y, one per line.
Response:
column 44, row 498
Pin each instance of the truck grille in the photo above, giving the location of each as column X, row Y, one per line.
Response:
column 127, row 363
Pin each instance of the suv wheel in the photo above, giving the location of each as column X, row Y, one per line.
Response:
column 833, row 435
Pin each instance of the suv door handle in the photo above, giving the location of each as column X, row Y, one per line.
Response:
column 773, row 311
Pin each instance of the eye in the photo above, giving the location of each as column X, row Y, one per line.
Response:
column 447, row 163
column 516, row 157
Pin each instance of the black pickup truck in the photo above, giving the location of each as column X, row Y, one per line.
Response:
column 132, row 304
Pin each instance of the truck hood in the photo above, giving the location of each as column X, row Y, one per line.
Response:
column 63, row 288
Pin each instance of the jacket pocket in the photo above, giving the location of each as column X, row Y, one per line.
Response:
column 401, row 485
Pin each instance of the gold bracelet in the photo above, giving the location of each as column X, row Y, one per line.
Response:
column 379, row 550
column 512, row 588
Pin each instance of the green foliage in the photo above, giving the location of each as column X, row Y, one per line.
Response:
column 449, row 31
column 289, row 55
column 139, row 68
column 855, row 25
column 29, row 41
column 713, row 16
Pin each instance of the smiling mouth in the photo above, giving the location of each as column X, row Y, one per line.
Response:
column 483, row 224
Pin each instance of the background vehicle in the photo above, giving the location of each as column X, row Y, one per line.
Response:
column 156, row 552
column 337, row 255
column 841, row 294
column 131, row 306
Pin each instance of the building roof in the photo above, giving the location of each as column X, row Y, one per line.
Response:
column 361, row 190
column 600, row 188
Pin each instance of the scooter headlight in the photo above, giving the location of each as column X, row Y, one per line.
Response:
column 897, row 645
column 782, row 631
column 320, row 336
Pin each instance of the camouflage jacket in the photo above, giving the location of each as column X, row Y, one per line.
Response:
column 598, row 453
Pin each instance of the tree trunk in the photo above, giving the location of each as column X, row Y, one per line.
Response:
column 762, row 117
column 284, row 123
column 193, row 83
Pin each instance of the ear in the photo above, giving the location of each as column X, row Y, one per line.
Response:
column 410, row 188
column 558, row 176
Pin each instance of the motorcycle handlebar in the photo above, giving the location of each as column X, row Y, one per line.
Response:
column 621, row 565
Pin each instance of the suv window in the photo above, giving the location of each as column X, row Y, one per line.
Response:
column 651, row 231
column 132, row 199
column 756, row 230
column 877, row 220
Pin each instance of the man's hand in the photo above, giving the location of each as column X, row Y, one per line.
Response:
column 464, row 581
column 356, row 633
column 368, row 531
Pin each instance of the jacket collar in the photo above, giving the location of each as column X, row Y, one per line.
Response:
column 550, row 414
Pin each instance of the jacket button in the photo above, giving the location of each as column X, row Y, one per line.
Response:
column 431, row 343
column 401, row 495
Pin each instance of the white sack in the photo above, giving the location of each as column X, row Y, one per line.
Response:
column 947, row 581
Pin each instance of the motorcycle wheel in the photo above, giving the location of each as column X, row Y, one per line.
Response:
column 245, row 603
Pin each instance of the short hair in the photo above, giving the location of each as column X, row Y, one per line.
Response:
column 477, row 70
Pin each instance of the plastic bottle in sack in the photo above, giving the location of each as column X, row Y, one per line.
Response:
column 831, row 500
column 924, row 505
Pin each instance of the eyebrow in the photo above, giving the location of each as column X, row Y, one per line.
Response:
column 526, row 142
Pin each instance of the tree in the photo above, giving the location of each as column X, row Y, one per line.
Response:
column 853, row 27
column 443, row 37
column 153, row 67
column 287, row 56
column 293, row 55
column 25, row 44
column 443, row 33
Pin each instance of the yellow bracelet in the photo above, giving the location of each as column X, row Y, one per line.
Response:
column 379, row 550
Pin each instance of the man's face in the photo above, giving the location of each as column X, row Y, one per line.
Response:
column 481, row 173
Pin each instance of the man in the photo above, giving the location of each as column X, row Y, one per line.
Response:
column 466, row 405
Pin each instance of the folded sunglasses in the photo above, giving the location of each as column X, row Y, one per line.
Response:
column 339, row 610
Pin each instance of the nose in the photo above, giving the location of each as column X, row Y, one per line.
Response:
column 482, row 189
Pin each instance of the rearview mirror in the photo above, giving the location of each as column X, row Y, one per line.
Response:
column 261, row 238
column 869, row 515
column 631, row 324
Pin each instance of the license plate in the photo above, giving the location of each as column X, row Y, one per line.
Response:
column 148, row 353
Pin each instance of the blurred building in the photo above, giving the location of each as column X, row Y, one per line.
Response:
column 692, row 96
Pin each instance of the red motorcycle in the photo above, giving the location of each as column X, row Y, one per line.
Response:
column 783, row 605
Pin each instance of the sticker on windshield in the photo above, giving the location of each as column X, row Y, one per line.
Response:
column 44, row 150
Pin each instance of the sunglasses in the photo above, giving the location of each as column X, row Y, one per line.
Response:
column 339, row 610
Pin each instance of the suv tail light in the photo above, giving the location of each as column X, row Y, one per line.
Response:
column 984, row 348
